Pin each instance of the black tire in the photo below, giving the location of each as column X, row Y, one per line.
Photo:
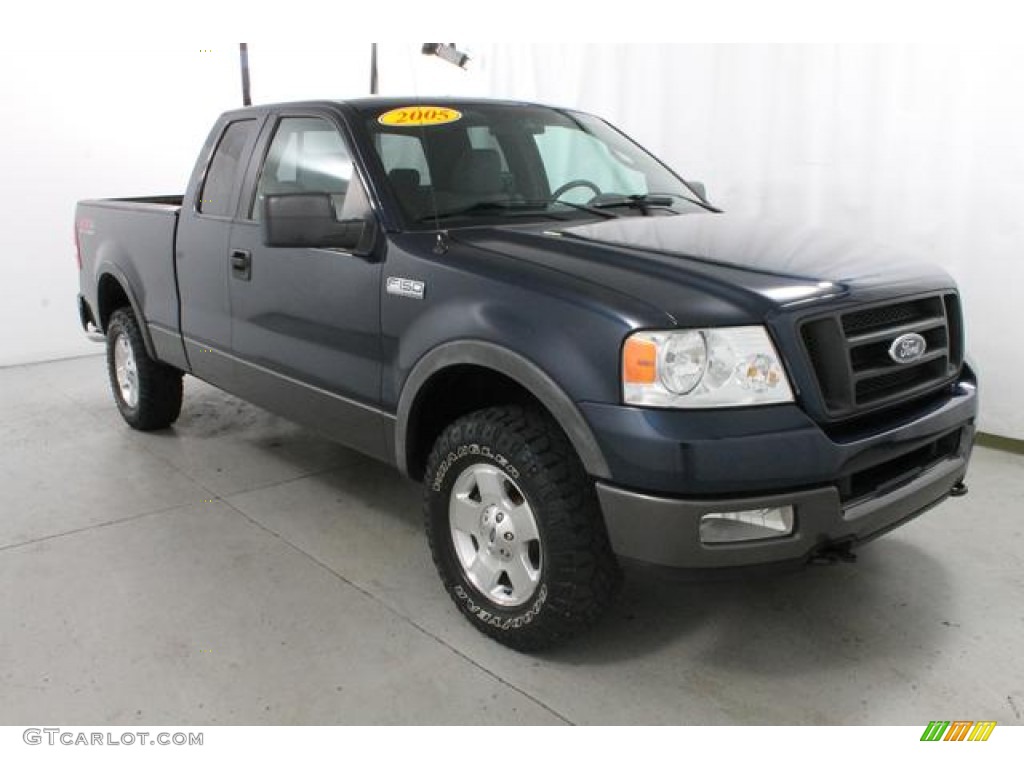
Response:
column 159, row 386
column 577, row 576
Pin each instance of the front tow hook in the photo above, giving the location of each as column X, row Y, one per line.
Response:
column 831, row 554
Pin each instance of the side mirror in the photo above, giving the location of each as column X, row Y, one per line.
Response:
column 698, row 187
column 307, row 220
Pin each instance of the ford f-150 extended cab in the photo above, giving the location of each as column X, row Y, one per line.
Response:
column 583, row 360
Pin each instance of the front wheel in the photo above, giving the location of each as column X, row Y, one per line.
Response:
column 148, row 393
column 515, row 529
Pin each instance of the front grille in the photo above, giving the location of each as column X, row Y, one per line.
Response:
column 849, row 353
column 898, row 471
column 887, row 316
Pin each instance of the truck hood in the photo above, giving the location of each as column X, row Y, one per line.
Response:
column 752, row 264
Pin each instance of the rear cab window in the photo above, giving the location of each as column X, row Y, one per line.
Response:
column 217, row 194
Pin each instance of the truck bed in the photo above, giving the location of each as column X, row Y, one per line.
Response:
column 133, row 239
column 135, row 203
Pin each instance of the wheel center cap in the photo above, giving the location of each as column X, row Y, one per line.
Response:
column 497, row 531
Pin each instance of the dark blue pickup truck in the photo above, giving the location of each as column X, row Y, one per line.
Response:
column 582, row 359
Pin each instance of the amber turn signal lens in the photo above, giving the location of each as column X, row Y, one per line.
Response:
column 639, row 361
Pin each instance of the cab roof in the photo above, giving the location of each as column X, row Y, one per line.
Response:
column 374, row 103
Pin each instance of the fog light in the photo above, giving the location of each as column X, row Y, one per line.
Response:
column 746, row 525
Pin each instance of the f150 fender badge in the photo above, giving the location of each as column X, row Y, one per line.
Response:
column 404, row 286
column 908, row 348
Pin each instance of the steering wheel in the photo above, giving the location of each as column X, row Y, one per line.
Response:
column 572, row 185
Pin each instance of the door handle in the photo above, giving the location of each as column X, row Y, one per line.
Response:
column 241, row 265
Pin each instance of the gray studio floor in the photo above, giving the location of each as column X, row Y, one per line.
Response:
column 239, row 569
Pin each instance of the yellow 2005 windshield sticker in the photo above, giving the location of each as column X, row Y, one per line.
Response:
column 419, row 115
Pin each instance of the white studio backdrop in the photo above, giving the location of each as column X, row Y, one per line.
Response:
column 112, row 122
column 918, row 147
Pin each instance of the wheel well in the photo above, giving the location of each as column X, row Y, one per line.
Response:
column 111, row 296
column 449, row 394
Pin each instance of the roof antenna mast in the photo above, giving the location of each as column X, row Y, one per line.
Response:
column 243, row 56
column 373, row 69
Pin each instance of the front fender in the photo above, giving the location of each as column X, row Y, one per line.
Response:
column 514, row 366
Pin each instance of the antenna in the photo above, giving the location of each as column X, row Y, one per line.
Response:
column 373, row 69
column 243, row 56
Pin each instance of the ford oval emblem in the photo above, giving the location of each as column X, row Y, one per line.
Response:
column 908, row 348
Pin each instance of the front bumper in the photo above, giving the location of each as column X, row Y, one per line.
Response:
column 841, row 492
column 662, row 531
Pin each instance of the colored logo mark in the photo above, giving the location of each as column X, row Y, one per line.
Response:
column 958, row 730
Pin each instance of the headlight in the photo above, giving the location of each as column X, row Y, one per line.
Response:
column 703, row 368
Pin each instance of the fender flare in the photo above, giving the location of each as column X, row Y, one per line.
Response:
column 126, row 286
column 516, row 367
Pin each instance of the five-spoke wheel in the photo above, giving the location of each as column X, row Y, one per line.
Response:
column 495, row 535
column 515, row 528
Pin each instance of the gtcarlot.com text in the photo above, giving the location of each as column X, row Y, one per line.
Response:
column 55, row 736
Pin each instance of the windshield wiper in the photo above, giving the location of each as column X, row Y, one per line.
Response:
column 533, row 207
column 482, row 207
column 582, row 207
column 643, row 202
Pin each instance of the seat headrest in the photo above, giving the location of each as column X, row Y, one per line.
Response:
column 404, row 178
column 478, row 171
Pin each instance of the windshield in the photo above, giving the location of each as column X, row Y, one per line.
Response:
column 479, row 162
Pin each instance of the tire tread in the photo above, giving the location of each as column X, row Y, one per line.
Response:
column 583, row 573
column 160, row 386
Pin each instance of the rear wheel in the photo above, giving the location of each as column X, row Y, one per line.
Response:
column 148, row 393
column 515, row 529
